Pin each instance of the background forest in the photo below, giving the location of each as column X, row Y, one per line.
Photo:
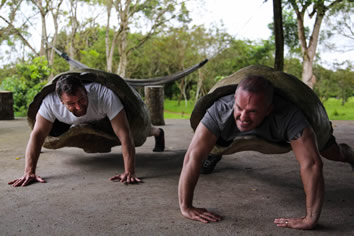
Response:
column 153, row 38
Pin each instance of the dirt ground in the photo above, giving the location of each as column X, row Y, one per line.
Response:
column 248, row 189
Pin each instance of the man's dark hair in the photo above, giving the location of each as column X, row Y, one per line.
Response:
column 68, row 84
column 257, row 84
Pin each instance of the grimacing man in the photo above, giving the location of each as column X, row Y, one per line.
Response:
column 253, row 110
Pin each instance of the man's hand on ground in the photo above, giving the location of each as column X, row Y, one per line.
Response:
column 295, row 223
column 200, row 214
column 126, row 178
column 25, row 180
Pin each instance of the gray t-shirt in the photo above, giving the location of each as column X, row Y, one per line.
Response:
column 282, row 125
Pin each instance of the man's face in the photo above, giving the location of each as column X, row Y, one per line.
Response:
column 77, row 103
column 250, row 109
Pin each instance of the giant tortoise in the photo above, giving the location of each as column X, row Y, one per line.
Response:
column 98, row 136
column 286, row 86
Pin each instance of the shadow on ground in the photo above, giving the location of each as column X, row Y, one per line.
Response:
column 248, row 189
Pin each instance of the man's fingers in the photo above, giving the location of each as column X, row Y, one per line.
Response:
column 283, row 222
column 202, row 215
column 12, row 182
column 18, row 182
column 114, row 178
column 138, row 180
column 211, row 216
column 123, row 179
column 126, row 178
column 27, row 182
column 201, row 219
column 39, row 179
column 206, row 217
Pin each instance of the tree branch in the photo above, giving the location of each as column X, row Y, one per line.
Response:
column 20, row 35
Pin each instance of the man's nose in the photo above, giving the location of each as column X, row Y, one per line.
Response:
column 77, row 106
column 243, row 115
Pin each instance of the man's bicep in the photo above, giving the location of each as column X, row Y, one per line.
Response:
column 202, row 142
column 120, row 124
column 42, row 126
column 111, row 104
column 305, row 148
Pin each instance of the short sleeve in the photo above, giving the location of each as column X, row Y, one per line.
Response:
column 296, row 125
column 111, row 104
column 210, row 120
column 45, row 110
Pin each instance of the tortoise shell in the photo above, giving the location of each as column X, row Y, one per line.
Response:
column 286, row 86
column 97, row 136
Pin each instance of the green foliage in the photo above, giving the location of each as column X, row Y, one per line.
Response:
column 338, row 84
column 293, row 66
column 325, row 86
column 291, row 37
column 337, row 111
column 28, row 80
column 240, row 54
column 345, row 82
column 175, row 110
column 170, row 50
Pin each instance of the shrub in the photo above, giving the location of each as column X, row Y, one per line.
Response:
column 28, row 80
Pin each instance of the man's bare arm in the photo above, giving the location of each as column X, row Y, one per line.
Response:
column 40, row 131
column 121, row 128
column 202, row 143
column 307, row 154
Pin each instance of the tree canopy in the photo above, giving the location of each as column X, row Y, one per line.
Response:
column 151, row 38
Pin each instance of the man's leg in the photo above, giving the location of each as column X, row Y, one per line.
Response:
column 209, row 164
column 339, row 152
column 159, row 135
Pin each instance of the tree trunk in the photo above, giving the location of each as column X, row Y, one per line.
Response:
column 43, row 50
column 55, row 15
column 123, row 60
column 122, row 39
column 19, row 34
column 43, row 10
column 307, row 72
column 309, row 50
column 74, row 27
column 279, row 36
column 109, row 50
column 154, row 98
column 199, row 84
column 6, row 106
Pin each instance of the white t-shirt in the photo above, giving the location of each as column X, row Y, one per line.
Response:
column 102, row 102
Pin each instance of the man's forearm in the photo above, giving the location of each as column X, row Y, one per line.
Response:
column 314, row 188
column 187, row 183
column 128, row 152
column 32, row 153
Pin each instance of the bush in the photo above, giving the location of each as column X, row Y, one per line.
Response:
column 28, row 80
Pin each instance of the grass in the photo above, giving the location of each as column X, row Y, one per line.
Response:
column 174, row 111
column 333, row 107
column 336, row 111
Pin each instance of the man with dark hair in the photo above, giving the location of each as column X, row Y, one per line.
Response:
column 252, row 110
column 74, row 103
